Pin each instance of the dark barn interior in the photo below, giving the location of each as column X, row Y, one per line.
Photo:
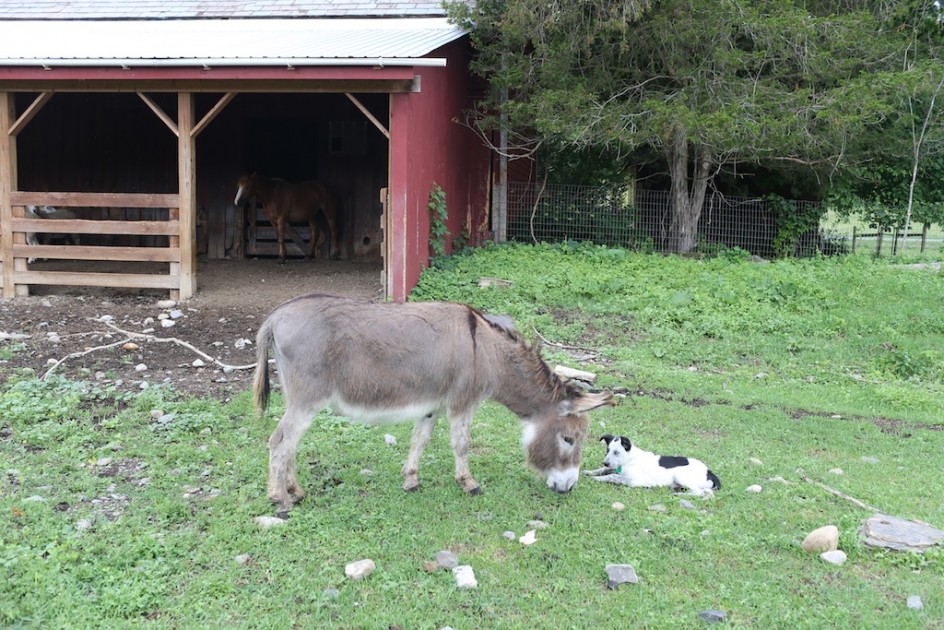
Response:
column 84, row 142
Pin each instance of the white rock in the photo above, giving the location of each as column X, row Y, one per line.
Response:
column 83, row 525
column 165, row 304
column 176, row 314
column 915, row 603
column 140, row 367
column 242, row 343
column 198, row 363
column 465, row 576
column 756, row 489
column 869, row 460
column 243, row 558
column 756, row 461
column 167, row 323
column 163, row 316
column 836, row 556
column 657, row 507
column 265, row 522
column 619, row 507
column 529, row 538
column 360, row 569
column 510, row 535
column 103, row 461
column 34, row 499
column 51, row 361
column 835, row 471
column 389, row 439
column 147, row 331
column 537, row 524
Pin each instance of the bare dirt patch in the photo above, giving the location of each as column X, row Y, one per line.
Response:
column 232, row 299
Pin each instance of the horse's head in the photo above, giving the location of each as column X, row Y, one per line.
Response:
column 244, row 188
column 554, row 440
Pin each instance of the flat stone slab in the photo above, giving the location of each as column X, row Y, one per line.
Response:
column 617, row 574
column 891, row 532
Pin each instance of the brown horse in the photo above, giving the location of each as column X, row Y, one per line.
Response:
column 284, row 202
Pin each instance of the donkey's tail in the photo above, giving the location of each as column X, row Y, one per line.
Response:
column 260, row 385
column 715, row 482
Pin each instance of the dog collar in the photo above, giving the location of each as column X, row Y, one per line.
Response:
column 619, row 470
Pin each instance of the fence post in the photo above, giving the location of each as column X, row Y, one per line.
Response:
column 924, row 237
column 853, row 238
column 895, row 242
column 878, row 241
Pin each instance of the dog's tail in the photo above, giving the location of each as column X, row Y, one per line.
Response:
column 715, row 482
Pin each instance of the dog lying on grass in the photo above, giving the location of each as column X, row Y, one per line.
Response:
column 629, row 465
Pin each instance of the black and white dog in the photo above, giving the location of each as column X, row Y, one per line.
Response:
column 631, row 466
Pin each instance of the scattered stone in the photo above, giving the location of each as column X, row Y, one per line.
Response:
column 131, row 346
column 103, row 461
column 465, row 576
column 779, row 480
column 446, row 559
column 13, row 472
column 430, row 566
column 360, row 569
column 331, row 593
column 140, row 367
column 147, row 331
column 869, row 460
column 165, row 304
column 198, row 363
column 242, row 343
column 760, row 375
column 366, row 472
column 822, row 539
column 167, row 323
column 657, row 507
column 389, row 439
column 891, row 532
column 617, row 574
column 713, row 616
column 510, row 535
column 34, row 499
column 176, row 314
column 692, row 368
column 266, row 522
column 537, row 524
column 529, row 538
column 243, row 558
column 915, row 603
column 756, row 489
column 835, row 471
column 686, row 504
column 83, row 525
column 836, row 556
column 756, row 461
column 619, row 507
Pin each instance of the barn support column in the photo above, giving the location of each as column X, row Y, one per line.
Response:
column 7, row 185
column 186, row 181
column 399, row 171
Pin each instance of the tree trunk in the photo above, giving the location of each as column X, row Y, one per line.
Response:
column 688, row 193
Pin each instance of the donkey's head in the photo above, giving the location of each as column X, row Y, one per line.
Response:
column 554, row 439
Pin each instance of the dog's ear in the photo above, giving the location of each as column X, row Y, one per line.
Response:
column 627, row 445
column 607, row 438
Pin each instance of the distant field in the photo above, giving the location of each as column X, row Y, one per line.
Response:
column 868, row 244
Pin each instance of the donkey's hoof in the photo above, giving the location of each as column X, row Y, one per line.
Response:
column 411, row 487
column 282, row 514
column 477, row 490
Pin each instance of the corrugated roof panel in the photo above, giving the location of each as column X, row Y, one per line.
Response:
column 271, row 39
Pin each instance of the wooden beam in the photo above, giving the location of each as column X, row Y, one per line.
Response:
column 160, row 113
column 30, row 112
column 369, row 116
column 95, row 252
column 85, row 279
column 186, row 180
column 7, row 184
column 95, row 200
column 86, row 226
column 213, row 113
column 203, row 86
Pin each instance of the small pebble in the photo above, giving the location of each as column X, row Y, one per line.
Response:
column 657, row 507
column 686, row 504
column 465, row 577
column 131, row 346
column 265, row 522
column 537, row 524
column 836, row 556
column 446, row 559
column 140, row 367
column 33, row 499
column 389, row 439
column 510, row 535
column 360, row 569
column 869, row 460
column 756, row 489
column 83, row 525
column 331, row 593
column 529, row 538
column 835, row 471
column 165, row 304
column 176, row 314
column 243, row 558
column 756, row 461
column 915, row 603
column 619, row 507
column 617, row 574
column 167, row 323
column 712, row 616
column 198, row 363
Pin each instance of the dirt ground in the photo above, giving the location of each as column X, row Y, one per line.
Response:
column 232, row 299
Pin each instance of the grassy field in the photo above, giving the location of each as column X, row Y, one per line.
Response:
column 868, row 245
column 111, row 518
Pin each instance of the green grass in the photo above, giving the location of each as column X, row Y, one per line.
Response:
column 832, row 223
column 802, row 364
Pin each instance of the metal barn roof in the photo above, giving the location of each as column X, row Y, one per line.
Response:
column 218, row 42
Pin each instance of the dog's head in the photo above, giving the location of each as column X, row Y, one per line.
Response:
column 617, row 450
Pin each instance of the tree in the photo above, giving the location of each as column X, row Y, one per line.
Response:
column 701, row 83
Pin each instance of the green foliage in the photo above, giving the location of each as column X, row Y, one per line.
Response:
column 438, row 230
column 793, row 222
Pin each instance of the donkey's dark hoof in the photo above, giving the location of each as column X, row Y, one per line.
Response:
column 476, row 491
column 415, row 488
column 282, row 514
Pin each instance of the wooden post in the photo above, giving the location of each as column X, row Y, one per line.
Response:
column 186, row 178
column 895, row 242
column 878, row 242
column 853, row 238
column 7, row 185
column 924, row 237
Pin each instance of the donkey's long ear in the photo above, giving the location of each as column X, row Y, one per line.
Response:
column 581, row 402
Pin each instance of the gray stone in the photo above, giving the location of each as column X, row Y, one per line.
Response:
column 891, row 532
column 822, row 539
column 836, row 556
column 915, row 603
column 465, row 577
column 510, row 535
column 331, row 593
column 266, row 522
column 657, row 507
column 617, row 574
column 686, row 504
column 713, row 616
column 446, row 559
column 537, row 525
column 360, row 569
column 243, row 558
column 869, row 460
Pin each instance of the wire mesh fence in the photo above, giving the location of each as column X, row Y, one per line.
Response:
column 642, row 220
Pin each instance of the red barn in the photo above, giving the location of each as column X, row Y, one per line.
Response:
column 140, row 116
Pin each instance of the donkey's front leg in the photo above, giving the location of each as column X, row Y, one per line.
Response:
column 460, row 428
column 422, row 431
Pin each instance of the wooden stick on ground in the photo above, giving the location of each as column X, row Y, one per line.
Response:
column 841, row 495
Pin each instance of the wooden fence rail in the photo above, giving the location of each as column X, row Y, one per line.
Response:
column 17, row 275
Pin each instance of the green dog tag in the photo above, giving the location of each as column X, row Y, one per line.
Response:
column 619, row 470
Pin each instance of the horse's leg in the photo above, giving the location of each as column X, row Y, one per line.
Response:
column 283, row 487
column 460, row 431
column 331, row 217
column 280, row 235
column 315, row 237
column 422, row 431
